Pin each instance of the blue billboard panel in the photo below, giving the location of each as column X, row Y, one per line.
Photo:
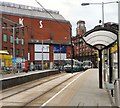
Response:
column 13, row 60
column 59, row 49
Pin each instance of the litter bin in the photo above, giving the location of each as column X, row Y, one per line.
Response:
column 117, row 92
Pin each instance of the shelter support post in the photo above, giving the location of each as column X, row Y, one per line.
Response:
column 72, row 57
column 100, row 69
column 118, row 40
column 110, row 70
column 110, row 67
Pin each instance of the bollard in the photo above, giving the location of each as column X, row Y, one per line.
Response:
column 117, row 92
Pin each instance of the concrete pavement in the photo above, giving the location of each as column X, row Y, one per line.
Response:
column 84, row 92
column 89, row 93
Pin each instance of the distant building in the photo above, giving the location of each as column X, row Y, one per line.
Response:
column 109, row 25
column 39, row 37
column 81, row 50
column 81, row 29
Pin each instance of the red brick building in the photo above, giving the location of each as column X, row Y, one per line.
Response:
column 39, row 37
column 82, row 51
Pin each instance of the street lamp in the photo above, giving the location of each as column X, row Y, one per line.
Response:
column 60, row 55
column 13, row 28
column 85, row 4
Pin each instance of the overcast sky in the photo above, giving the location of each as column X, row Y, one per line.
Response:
column 72, row 10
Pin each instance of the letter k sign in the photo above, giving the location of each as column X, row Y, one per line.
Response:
column 21, row 21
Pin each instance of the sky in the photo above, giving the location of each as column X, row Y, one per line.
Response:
column 72, row 10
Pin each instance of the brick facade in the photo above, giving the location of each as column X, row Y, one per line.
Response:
column 52, row 31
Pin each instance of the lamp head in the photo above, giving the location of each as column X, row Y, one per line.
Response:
column 84, row 4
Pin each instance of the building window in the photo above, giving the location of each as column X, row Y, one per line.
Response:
column 23, row 32
column 11, row 39
column 11, row 51
column 22, row 41
column 4, row 37
column 5, row 48
column 22, row 52
column 87, row 48
column 81, row 50
column 84, row 54
column 17, row 30
column 87, row 53
column 17, row 52
column 17, row 40
column 11, row 28
column 4, row 24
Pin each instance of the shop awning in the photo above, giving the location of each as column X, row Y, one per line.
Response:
column 3, row 52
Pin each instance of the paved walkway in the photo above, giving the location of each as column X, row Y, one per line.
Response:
column 83, row 92
column 89, row 93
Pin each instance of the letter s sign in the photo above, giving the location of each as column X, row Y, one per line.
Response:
column 41, row 25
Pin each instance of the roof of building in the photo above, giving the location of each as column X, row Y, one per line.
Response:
column 30, row 11
column 109, row 25
column 81, row 21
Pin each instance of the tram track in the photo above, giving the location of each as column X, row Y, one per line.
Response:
column 28, row 83
column 48, row 91
column 27, row 103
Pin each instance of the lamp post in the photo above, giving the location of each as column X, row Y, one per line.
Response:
column 42, row 54
column 102, row 4
column 42, row 51
column 60, row 56
column 85, row 4
column 13, row 28
column 72, row 53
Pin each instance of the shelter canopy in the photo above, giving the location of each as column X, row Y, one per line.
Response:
column 100, row 38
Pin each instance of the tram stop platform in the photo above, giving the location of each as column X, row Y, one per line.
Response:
column 13, row 79
column 90, row 94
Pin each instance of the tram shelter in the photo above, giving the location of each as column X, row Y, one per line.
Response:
column 100, row 38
